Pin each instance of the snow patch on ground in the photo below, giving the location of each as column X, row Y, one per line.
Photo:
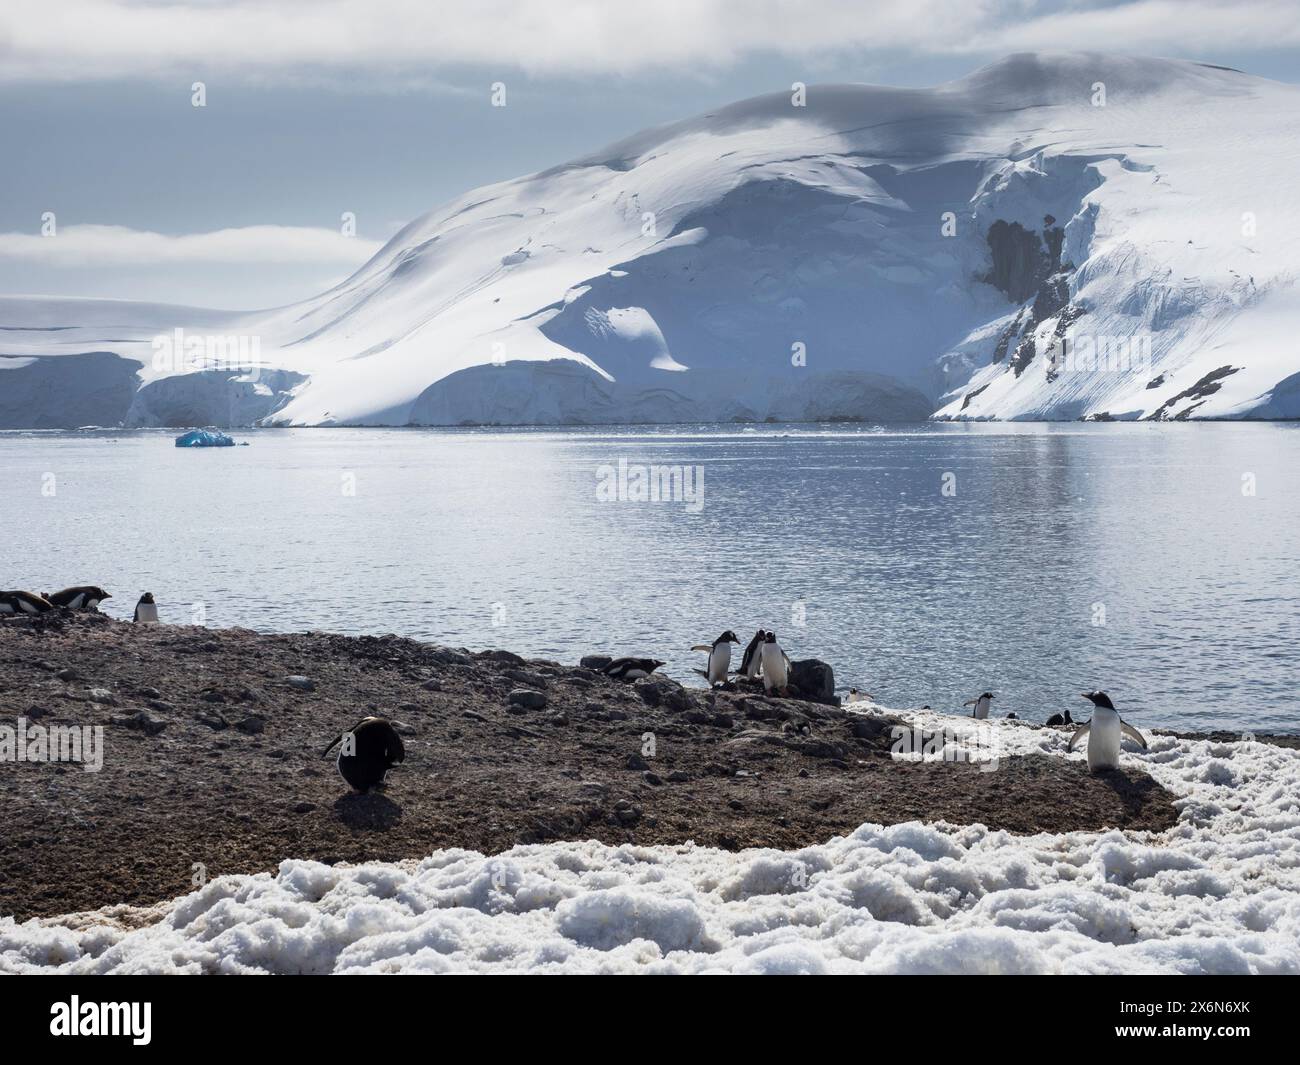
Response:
column 1217, row 893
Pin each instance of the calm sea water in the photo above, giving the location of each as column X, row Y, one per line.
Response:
column 1124, row 556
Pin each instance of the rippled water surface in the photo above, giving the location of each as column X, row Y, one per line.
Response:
column 1124, row 556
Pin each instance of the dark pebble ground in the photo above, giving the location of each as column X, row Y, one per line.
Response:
column 212, row 756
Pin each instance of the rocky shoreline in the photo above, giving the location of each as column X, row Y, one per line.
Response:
column 212, row 741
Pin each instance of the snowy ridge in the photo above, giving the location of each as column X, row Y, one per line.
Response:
column 923, row 252
column 1217, row 893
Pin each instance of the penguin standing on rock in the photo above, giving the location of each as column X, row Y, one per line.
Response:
column 1104, row 732
column 981, row 704
column 631, row 668
column 719, row 657
column 82, row 597
column 776, row 667
column 370, row 749
column 751, row 661
column 19, row 602
column 146, row 610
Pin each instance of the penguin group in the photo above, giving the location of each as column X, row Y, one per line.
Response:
column 80, row 597
column 763, row 658
column 1104, row 732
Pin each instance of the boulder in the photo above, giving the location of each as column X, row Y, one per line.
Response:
column 528, row 699
column 815, row 681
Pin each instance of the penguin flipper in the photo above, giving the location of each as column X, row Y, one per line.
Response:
column 1133, row 734
column 702, row 647
column 396, row 749
column 970, row 702
column 703, row 673
column 1082, row 731
column 332, row 745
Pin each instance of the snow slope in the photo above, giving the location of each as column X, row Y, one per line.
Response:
column 1217, row 893
column 878, row 253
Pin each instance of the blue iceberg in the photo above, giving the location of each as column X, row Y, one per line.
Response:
column 205, row 438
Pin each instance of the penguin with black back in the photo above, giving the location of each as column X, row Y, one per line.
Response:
column 370, row 749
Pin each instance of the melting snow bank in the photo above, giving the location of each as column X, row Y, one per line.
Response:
column 1218, row 893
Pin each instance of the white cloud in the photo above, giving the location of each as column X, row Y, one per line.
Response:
column 98, row 246
column 401, row 39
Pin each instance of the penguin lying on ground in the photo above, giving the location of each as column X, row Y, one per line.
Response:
column 631, row 668
column 20, row 602
column 146, row 610
column 1059, row 719
column 370, row 749
column 82, row 597
column 981, row 704
column 719, row 657
column 1104, row 732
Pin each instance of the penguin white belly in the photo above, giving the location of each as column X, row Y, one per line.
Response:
column 77, row 601
column 774, row 671
column 719, row 663
column 982, row 708
column 147, row 613
column 27, row 607
column 1103, row 739
column 5, row 608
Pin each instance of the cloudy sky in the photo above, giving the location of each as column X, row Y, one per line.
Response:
column 381, row 109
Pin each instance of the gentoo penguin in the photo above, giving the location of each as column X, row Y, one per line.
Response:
column 776, row 672
column 981, row 704
column 370, row 749
column 719, row 657
column 1104, row 732
column 631, row 668
column 82, row 597
column 20, row 602
column 146, row 611
column 751, row 661
column 1060, row 719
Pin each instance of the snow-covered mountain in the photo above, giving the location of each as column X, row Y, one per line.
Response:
column 1053, row 236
